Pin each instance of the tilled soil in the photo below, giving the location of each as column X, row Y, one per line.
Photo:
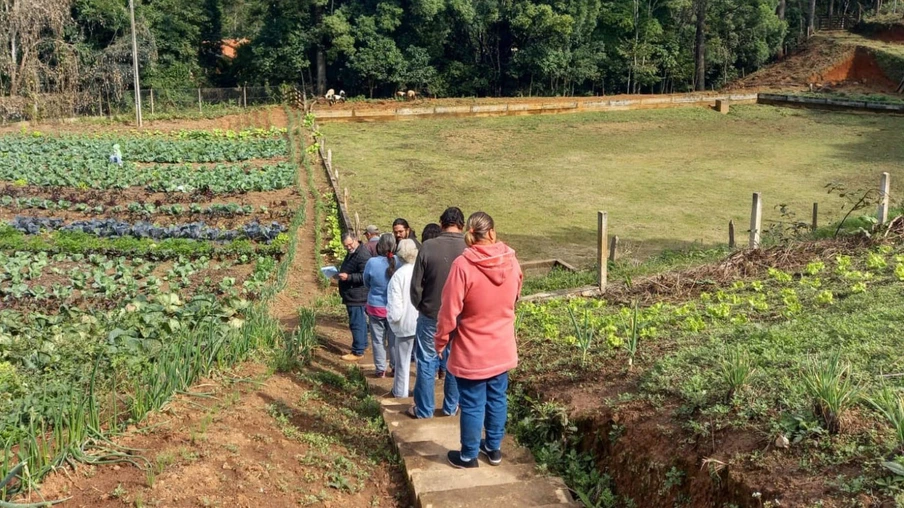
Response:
column 280, row 204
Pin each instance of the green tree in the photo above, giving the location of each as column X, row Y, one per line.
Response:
column 377, row 59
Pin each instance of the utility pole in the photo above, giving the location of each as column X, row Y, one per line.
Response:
column 135, row 64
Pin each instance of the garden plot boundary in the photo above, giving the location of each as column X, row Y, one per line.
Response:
column 828, row 104
column 553, row 106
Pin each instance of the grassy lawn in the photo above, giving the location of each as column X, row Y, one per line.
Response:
column 669, row 179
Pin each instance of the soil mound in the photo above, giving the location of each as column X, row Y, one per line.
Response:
column 825, row 62
column 859, row 68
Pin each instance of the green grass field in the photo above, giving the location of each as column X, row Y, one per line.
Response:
column 668, row 178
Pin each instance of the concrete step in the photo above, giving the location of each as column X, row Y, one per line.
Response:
column 444, row 478
column 535, row 492
column 440, row 431
column 424, row 443
column 431, row 456
column 413, row 451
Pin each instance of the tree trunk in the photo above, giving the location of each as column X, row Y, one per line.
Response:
column 13, row 79
column 700, row 47
column 321, row 72
column 811, row 19
column 782, row 5
column 320, row 57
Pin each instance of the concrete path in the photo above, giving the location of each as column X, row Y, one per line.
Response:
column 423, row 445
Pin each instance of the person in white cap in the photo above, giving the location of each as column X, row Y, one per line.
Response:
column 372, row 233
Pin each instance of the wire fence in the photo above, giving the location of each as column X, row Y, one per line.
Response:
column 153, row 102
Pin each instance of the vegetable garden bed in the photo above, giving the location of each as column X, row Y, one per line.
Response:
column 120, row 284
column 770, row 379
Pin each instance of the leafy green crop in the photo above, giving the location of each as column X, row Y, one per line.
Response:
column 220, row 178
column 140, row 149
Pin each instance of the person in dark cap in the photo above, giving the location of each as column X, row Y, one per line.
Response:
column 372, row 234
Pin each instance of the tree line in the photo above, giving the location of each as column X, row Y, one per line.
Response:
column 375, row 47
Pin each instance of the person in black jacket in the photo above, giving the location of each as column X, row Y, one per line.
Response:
column 354, row 293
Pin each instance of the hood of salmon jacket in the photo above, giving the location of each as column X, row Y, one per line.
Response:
column 496, row 261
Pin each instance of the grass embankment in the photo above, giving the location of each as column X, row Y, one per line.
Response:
column 727, row 377
column 670, row 179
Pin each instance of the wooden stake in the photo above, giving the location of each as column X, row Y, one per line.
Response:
column 357, row 224
column 731, row 240
column 245, row 96
column 199, row 101
column 602, row 232
column 152, row 101
column 815, row 223
column 613, row 248
column 756, row 221
column 884, row 189
column 346, row 199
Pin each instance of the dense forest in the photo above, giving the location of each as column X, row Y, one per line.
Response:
column 374, row 47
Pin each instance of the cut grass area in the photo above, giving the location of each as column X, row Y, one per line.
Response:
column 669, row 179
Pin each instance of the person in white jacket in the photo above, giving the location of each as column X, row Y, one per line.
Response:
column 402, row 317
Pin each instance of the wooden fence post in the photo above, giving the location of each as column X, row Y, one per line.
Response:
column 245, row 96
column 884, row 188
column 756, row 221
column 731, row 240
column 815, row 223
column 613, row 248
column 602, row 226
column 152, row 101
column 199, row 102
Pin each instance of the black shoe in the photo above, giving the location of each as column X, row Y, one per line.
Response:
column 455, row 459
column 493, row 457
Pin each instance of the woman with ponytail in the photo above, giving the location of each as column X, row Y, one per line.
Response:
column 477, row 316
column 377, row 273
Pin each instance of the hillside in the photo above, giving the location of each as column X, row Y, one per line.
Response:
column 837, row 61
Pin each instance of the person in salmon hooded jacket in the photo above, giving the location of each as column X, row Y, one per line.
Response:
column 477, row 316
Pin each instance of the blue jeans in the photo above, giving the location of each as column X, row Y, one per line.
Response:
column 357, row 323
column 427, row 363
column 484, row 406
column 380, row 334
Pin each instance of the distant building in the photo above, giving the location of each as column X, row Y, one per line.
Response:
column 230, row 46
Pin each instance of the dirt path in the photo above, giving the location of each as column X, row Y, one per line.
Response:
column 251, row 437
column 302, row 286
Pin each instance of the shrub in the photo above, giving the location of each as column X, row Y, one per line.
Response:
column 583, row 332
column 736, row 369
column 891, row 406
column 832, row 389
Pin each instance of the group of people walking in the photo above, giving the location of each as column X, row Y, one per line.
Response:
column 449, row 302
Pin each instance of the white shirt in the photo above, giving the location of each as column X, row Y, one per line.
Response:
column 402, row 316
